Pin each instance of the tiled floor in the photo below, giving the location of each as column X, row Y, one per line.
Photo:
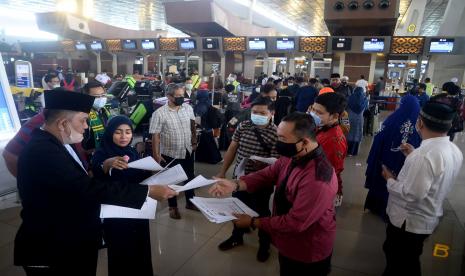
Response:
column 189, row 246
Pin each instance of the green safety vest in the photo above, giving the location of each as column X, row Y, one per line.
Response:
column 131, row 81
column 236, row 84
column 195, row 81
column 98, row 125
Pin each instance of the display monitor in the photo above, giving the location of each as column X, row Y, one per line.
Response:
column 187, row 44
column 285, row 43
column 128, row 44
column 342, row 43
column 96, row 45
column 441, row 45
column 373, row 44
column 80, row 46
column 148, row 44
column 210, row 43
column 391, row 65
column 257, row 44
column 401, row 65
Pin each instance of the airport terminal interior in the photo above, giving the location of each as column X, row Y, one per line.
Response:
column 178, row 96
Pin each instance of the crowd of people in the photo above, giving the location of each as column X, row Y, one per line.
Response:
column 74, row 155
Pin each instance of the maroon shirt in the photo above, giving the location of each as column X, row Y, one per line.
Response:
column 307, row 232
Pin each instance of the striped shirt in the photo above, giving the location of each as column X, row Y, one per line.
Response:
column 174, row 128
column 249, row 144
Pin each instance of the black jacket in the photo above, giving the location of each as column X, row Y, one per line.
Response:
column 61, row 206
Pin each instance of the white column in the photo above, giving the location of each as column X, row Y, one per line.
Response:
column 342, row 63
column 371, row 75
column 186, row 62
column 98, row 61
column 291, row 63
column 114, row 64
column 145, row 65
column 311, row 67
column 223, row 67
column 418, row 68
column 201, row 73
column 70, row 62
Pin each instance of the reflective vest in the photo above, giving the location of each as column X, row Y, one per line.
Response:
column 235, row 83
column 131, row 81
column 97, row 124
column 195, row 81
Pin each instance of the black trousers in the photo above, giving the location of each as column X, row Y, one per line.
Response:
column 188, row 166
column 259, row 202
column 352, row 147
column 289, row 267
column 403, row 250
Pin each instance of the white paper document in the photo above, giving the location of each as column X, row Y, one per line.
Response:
column 147, row 163
column 269, row 161
column 197, row 182
column 240, row 168
column 146, row 212
column 219, row 210
column 170, row 176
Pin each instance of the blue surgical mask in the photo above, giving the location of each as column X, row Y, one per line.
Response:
column 315, row 118
column 259, row 120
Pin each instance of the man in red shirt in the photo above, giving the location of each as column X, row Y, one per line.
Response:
column 326, row 112
column 303, row 225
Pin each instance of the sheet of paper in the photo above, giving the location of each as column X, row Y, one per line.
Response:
column 170, row 176
column 147, row 211
column 219, row 210
column 147, row 163
column 269, row 161
column 197, row 182
column 240, row 169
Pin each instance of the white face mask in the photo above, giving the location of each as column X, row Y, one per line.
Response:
column 189, row 86
column 74, row 137
column 230, row 79
column 55, row 86
column 257, row 89
column 100, row 102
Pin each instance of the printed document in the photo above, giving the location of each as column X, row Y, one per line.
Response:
column 146, row 212
column 219, row 210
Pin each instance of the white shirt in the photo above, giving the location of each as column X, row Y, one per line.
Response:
column 74, row 155
column 362, row 83
column 428, row 174
column 174, row 128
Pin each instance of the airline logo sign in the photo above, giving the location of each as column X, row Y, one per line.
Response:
column 77, row 24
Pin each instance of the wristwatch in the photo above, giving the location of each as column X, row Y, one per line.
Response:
column 237, row 185
column 252, row 223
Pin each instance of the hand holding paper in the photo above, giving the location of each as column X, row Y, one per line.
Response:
column 197, row 182
column 170, row 176
column 147, row 163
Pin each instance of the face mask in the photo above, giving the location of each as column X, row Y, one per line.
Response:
column 56, row 86
column 316, row 118
column 257, row 89
column 74, row 137
column 178, row 101
column 287, row 149
column 189, row 86
column 259, row 120
column 290, row 84
column 99, row 102
column 230, row 79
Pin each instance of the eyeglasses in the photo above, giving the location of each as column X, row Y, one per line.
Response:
column 100, row 96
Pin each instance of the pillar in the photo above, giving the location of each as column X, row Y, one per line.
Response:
column 201, row 72
column 114, row 64
column 98, row 61
column 371, row 74
column 418, row 67
column 223, row 67
column 342, row 61
column 70, row 62
column 291, row 64
column 145, row 65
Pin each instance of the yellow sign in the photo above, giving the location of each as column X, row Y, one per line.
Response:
column 441, row 250
column 411, row 28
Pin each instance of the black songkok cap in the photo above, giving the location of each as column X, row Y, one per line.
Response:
column 335, row 75
column 438, row 113
column 73, row 101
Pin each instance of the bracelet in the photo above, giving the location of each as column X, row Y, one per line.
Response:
column 252, row 223
column 237, row 186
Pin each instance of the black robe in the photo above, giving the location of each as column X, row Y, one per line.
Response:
column 61, row 207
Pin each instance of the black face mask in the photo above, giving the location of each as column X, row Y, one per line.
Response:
column 178, row 101
column 287, row 149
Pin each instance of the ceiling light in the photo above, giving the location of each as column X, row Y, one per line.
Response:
column 339, row 6
column 384, row 4
column 368, row 4
column 353, row 5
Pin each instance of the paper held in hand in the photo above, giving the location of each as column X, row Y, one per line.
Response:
column 269, row 160
column 146, row 212
column 219, row 210
column 170, row 176
column 197, row 182
column 147, row 163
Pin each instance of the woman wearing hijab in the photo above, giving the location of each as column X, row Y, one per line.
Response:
column 127, row 240
column 210, row 119
column 398, row 128
column 356, row 104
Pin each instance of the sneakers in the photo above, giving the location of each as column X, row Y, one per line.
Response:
column 192, row 207
column 174, row 213
column 338, row 200
column 263, row 253
column 230, row 243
